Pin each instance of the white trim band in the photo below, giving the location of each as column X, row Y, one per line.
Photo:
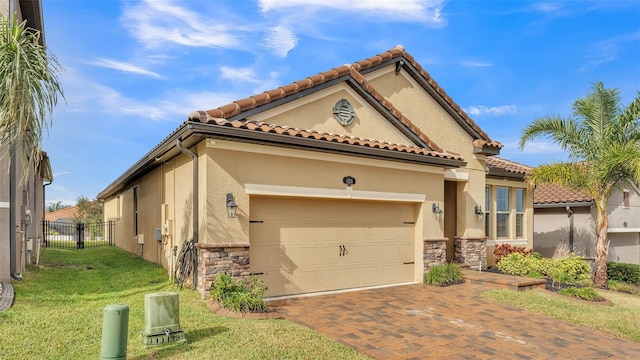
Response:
column 5, row 205
column 623, row 230
column 348, row 193
column 518, row 242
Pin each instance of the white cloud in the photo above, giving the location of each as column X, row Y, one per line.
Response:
column 280, row 39
column 546, row 7
column 242, row 74
column 494, row 110
column 125, row 67
column 428, row 11
column 157, row 22
column 608, row 50
column 475, row 64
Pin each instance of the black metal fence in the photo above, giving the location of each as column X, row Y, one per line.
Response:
column 71, row 235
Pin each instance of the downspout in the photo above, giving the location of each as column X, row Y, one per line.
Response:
column 12, row 215
column 44, row 212
column 196, row 219
column 570, row 215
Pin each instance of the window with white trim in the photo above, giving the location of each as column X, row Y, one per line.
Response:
column 502, row 212
column 519, row 213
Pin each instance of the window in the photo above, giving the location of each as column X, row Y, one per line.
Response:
column 135, row 210
column 625, row 199
column 519, row 212
column 487, row 210
column 502, row 212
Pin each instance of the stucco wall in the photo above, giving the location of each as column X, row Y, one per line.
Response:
column 624, row 247
column 551, row 229
column 315, row 112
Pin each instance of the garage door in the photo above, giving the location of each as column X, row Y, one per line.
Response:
column 308, row 245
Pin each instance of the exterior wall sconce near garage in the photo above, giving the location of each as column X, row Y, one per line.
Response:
column 232, row 207
column 436, row 210
column 479, row 213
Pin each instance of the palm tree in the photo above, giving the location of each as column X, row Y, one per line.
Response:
column 29, row 90
column 603, row 143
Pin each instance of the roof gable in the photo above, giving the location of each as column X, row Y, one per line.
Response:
column 352, row 75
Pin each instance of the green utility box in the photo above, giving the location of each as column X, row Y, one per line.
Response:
column 162, row 319
column 115, row 331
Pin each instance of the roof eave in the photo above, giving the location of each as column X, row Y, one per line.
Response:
column 195, row 132
column 563, row 204
column 503, row 174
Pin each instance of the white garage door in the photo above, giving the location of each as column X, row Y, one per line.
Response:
column 310, row 245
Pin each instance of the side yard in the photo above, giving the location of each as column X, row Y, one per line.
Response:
column 59, row 308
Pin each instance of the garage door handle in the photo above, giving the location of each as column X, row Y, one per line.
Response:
column 341, row 250
column 409, row 262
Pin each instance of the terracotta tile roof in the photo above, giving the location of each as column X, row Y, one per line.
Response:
column 549, row 193
column 252, row 102
column 66, row 213
column 203, row 117
column 507, row 165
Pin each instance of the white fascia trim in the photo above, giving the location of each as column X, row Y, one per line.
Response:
column 623, row 230
column 5, row 205
column 348, row 193
column 518, row 242
column 456, row 175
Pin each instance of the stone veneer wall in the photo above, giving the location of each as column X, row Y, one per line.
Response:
column 434, row 252
column 220, row 258
column 472, row 252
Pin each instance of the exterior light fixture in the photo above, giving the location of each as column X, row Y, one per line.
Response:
column 436, row 210
column 478, row 211
column 232, row 207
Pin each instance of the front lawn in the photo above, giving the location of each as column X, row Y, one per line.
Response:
column 622, row 319
column 59, row 308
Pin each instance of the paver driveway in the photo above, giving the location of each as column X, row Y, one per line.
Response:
column 426, row 322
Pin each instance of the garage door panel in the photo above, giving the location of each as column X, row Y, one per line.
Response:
column 300, row 241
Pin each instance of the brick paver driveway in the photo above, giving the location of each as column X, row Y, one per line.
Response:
column 426, row 322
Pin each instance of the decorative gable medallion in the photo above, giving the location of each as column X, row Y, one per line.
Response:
column 343, row 112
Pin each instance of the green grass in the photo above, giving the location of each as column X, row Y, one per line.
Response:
column 586, row 293
column 622, row 319
column 59, row 308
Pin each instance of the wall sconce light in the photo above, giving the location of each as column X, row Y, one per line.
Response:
column 478, row 211
column 232, row 207
column 436, row 210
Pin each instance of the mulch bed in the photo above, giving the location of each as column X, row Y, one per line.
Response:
column 215, row 307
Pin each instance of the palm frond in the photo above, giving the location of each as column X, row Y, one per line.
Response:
column 29, row 87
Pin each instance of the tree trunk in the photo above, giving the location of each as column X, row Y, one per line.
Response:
column 602, row 245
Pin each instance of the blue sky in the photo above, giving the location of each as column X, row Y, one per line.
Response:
column 134, row 70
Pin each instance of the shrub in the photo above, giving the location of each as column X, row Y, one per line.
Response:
column 443, row 275
column 502, row 250
column 585, row 293
column 241, row 295
column 571, row 270
column 629, row 273
column 522, row 265
column 624, row 287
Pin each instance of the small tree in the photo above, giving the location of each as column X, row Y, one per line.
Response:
column 56, row 206
column 89, row 211
column 603, row 142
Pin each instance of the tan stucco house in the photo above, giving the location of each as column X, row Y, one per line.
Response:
column 21, row 202
column 565, row 222
column 363, row 175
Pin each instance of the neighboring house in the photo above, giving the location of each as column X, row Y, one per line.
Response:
column 64, row 215
column 21, row 203
column 364, row 175
column 564, row 222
